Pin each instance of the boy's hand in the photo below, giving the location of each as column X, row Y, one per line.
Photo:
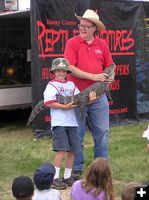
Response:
column 92, row 96
column 69, row 106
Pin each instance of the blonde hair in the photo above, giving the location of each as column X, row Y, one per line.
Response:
column 98, row 178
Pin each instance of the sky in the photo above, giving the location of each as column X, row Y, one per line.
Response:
column 24, row 4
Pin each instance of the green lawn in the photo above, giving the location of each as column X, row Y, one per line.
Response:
column 21, row 154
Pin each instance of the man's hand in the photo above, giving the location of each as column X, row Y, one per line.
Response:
column 100, row 77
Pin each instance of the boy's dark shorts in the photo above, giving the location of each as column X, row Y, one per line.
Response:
column 66, row 139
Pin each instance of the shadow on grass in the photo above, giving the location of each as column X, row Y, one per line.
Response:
column 18, row 117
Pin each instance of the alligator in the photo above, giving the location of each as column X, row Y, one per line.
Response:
column 81, row 99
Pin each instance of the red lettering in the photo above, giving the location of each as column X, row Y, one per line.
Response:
column 127, row 42
column 45, row 73
column 110, row 103
column 48, row 38
column 115, row 85
column 118, row 37
column 118, row 111
column 75, row 32
column 126, row 70
column 119, row 41
column 122, row 70
column 47, row 118
column 51, row 41
column 41, row 32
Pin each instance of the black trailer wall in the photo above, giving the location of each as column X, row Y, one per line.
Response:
column 15, row 69
column 53, row 22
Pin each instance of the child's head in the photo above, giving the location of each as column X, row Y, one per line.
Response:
column 43, row 176
column 23, row 188
column 128, row 191
column 98, row 175
column 60, row 64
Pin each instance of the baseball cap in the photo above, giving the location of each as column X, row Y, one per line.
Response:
column 60, row 64
column 43, row 176
column 22, row 187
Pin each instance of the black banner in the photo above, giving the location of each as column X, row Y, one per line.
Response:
column 53, row 23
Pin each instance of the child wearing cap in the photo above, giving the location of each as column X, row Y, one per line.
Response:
column 23, row 188
column 43, row 179
column 63, row 121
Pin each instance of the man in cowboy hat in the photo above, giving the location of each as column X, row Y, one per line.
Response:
column 88, row 57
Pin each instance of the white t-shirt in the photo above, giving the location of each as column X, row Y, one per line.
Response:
column 50, row 194
column 61, row 117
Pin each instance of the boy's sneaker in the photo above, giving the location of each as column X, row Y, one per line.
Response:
column 76, row 174
column 58, row 184
column 69, row 181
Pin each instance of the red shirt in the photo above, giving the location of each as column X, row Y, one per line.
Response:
column 92, row 58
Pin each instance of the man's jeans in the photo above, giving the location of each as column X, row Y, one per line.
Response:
column 98, row 115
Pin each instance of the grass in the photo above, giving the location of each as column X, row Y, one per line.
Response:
column 21, row 154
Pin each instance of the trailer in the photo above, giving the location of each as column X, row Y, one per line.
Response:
column 15, row 60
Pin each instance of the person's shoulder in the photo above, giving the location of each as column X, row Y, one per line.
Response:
column 101, row 195
column 54, row 190
column 77, row 183
column 76, row 37
column 39, row 194
column 53, row 82
column 52, row 85
column 74, row 40
column 100, row 40
column 70, row 82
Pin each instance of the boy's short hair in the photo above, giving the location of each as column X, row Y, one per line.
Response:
column 22, row 187
column 43, row 176
column 128, row 191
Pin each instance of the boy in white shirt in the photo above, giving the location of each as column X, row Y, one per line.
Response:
column 63, row 122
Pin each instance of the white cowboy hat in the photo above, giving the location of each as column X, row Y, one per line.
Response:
column 93, row 17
